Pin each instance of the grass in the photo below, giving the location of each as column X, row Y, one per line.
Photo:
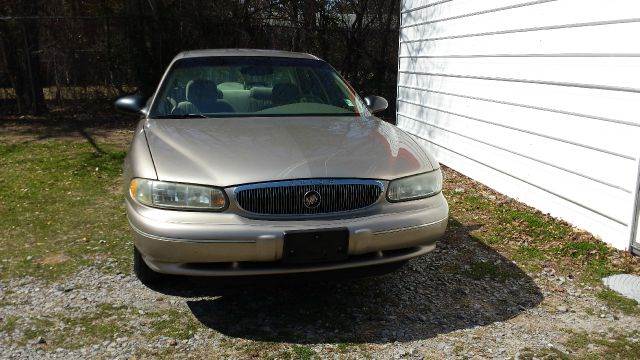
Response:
column 618, row 302
column 301, row 352
column 173, row 323
column 533, row 239
column 581, row 249
column 38, row 327
column 106, row 323
column 8, row 325
column 529, row 253
column 585, row 346
column 579, row 340
column 60, row 208
column 617, row 346
column 344, row 347
column 547, row 353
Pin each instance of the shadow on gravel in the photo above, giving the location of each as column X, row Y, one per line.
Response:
column 460, row 285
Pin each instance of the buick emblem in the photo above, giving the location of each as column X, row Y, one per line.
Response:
column 311, row 199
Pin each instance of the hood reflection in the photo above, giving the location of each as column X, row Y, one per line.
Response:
column 231, row 151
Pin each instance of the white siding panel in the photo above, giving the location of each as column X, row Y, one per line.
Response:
column 460, row 8
column 612, row 105
column 560, row 13
column 537, row 99
column 602, row 39
column 594, row 133
column 599, row 166
column 410, row 6
column 615, row 72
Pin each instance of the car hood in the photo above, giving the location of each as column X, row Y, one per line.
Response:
column 233, row 151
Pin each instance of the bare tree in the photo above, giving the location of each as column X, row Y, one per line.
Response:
column 107, row 46
column 20, row 46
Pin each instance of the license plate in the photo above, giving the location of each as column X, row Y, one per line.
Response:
column 315, row 246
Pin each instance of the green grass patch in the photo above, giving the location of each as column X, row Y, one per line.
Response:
column 531, row 219
column 530, row 258
column 537, row 225
column 546, row 353
column 173, row 323
column 619, row 302
column 596, row 269
column 533, row 239
column 577, row 341
column 60, row 208
column 529, row 253
column 619, row 346
column 37, row 327
column 580, row 249
column 106, row 323
column 476, row 202
column 492, row 239
column 301, row 352
column 8, row 324
column 344, row 347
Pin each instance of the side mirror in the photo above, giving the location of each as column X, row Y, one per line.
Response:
column 376, row 103
column 131, row 104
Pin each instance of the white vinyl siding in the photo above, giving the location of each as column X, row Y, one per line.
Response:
column 538, row 99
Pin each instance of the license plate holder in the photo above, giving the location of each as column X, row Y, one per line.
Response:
column 314, row 246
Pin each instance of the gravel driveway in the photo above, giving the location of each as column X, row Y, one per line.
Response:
column 434, row 307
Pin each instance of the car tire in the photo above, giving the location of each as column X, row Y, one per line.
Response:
column 143, row 271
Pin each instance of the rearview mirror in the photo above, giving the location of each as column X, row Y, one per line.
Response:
column 131, row 104
column 376, row 103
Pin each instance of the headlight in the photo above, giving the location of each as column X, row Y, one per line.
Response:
column 170, row 195
column 415, row 187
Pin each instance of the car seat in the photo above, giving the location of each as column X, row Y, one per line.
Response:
column 203, row 97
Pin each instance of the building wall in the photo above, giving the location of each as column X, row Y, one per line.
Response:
column 539, row 100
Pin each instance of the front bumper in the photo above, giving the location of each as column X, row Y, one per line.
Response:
column 223, row 244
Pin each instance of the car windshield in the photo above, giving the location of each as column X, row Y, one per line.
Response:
column 254, row 86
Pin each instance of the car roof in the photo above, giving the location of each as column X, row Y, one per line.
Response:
column 244, row 52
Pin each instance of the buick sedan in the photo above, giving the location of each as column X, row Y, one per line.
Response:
column 249, row 162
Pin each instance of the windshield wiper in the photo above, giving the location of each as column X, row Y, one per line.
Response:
column 181, row 116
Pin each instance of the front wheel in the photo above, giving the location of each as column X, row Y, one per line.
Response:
column 143, row 271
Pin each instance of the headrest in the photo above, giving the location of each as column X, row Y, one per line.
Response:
column 203, row 88
column 230, row 86
column 261, row 93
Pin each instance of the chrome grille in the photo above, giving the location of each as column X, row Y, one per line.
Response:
column 288, row 197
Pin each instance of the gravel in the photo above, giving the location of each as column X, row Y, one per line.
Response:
column 432, row 307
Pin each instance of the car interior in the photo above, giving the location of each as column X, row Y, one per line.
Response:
column 251, row 89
